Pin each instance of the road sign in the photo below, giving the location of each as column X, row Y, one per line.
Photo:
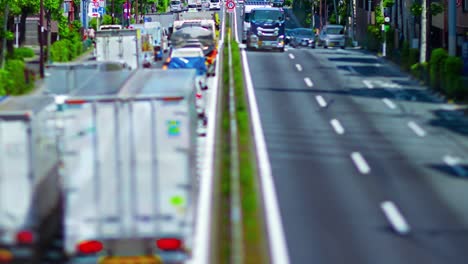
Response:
column 387, row 19
column 230, row 5
column 101, row 11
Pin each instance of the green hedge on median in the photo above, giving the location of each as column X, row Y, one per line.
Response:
column 15, row 79
column 437, row 62
column 452, row 82
column 66, row 49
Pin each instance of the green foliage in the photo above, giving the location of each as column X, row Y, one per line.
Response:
column 5, row 81
column 405, row 50
column 21, row 53
column 413, row 56
column 436, row 8
column 420, row 70
column 17, row 82
column 437, row 64
column 452, row 72
column 60, row 52
column 107, row 20
column 288, row 2
column 93, row 23
column 388, row 3
column 416, row 9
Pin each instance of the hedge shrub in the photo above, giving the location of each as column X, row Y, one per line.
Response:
column 60, row 51
column 4, row 82
column 21, row 53
column 16, row 78
column 452, row 72
column 420, row 70
column 405, row 56
column 437, row 62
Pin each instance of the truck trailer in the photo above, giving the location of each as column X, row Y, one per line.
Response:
column 130, row 171
column 30, row 189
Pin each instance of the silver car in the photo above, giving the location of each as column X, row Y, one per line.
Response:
column 332, row 36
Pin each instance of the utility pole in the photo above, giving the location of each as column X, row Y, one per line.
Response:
column 369, row 4
column 452, row 28
column 41, row 39
column 4, row 43
column 423, row 35
column 113, row 12
column 137, row 18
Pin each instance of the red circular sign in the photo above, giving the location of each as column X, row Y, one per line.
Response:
column 230, row 4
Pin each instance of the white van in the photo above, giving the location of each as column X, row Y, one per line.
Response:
column 176, row 6
column 215, row 4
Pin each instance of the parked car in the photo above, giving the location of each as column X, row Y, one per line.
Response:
column 332, row 36
column 302, row 37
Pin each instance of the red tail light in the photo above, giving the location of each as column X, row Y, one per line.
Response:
column 171, row 99
column 169, row 244
column 198, row 95
column 75, row 101
column 25, row 237
column 89, row 247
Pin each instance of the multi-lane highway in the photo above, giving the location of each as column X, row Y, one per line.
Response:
column 368, row 166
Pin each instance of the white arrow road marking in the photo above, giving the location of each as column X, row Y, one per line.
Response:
column 291, row 56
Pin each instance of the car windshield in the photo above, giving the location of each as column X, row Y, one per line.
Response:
column 304, row 32
column 214, row 1
column 335, row 30
column 247, row 17
column 267, row 15
column 175, row 2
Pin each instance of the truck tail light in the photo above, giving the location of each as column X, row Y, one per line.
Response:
column 25, row 237
column 169, row 244
column 89, row 247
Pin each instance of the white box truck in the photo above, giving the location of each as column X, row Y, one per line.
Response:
column 30, row 190
column 130, row 171
column 119, row 45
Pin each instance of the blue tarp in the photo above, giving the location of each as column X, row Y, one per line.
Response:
column 197, row 63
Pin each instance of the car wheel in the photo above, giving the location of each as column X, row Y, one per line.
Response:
column 313, row 46
column 325, row 47
column 343, row 47
column 281, row 49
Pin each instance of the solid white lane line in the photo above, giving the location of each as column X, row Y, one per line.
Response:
column 291, row 56
column 308, row 82
column 337, row 126
column 202, row 233
column 277, row 241
column 454, row 163
column 360, row 163
column 389, row 103
column 416, row 129
column 368, row 84
column 298, row 67
column 395, row 218
column 321, row 101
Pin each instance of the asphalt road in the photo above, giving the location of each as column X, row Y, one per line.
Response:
column 345, row 132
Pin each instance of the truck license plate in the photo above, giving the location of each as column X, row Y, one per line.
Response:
column 130, row 260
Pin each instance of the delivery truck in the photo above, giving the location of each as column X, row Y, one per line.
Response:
column 121, row 45
column 30, row 189
column 129, row 171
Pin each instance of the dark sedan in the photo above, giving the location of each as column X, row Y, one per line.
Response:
column 302, row 37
